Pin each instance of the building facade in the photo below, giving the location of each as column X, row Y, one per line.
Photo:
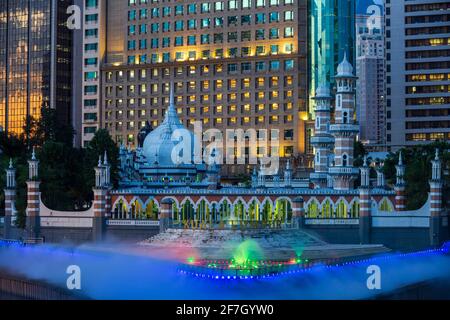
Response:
column 235, row 64
column 418, row 83
column 371, row 85
column 331, row 34
column 35, row 61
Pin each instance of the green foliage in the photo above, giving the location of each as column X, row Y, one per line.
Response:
column 66, row 173
column 418, row 171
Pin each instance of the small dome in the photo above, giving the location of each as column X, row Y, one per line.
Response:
column 345, row 69
column 323, row 91
column 158, row 144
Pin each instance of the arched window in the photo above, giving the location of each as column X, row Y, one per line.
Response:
column 385, row 205
column 354, row 213
column 327, row 209
column 345, row 117
column 313, row 209
column 318, row 123
column 341, row 210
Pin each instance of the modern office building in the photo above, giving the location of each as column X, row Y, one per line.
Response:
column 94, row 48
column 371, row 88
column 331, row 34
column 234, row 63
column 418, row 71
column 35, row 61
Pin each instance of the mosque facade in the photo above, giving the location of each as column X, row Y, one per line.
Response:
column 157, row 192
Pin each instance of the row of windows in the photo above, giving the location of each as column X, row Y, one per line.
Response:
column 204, row 39
column 432, row 42
column 427, row 19
column 428, row 136
column 205, row 23
column 205, row 7
column 427, row 54
column 245, row 121
column 427, row 7
column 428, row 77
column 206, row 110
column 427, row 101
column 181, row 56
column 427, row 113
column 190, row 99
column 205, row 85
column 427, row 124
column 428, row 89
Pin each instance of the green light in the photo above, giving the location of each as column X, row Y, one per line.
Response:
column 191, row 260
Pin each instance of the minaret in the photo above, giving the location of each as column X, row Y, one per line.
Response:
column 381, row 183
column 101, row 190
column 288, row 175
column 322, row 139
column 254, row 178
column 33, row 220
column 108, row 184
column 261, row 177
column 400, row 186
column 344, row 128
column 10, row 200
column 365, row 218
column 436, row 185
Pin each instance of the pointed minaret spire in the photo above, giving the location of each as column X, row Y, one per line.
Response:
column 33, row 154
column 172, row 94
column 400, row 159
column 11, row 163
column 105, row 161
column 99, row 161
column 365, row 161
column 171, row 116
column 436, row 156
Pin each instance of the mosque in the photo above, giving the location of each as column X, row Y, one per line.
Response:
column 338, row 201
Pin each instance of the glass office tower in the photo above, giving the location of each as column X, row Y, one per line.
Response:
column 331, row 34
column 35, row 61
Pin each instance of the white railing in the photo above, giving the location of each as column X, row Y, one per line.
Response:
column 147, row 223
column 332, row 222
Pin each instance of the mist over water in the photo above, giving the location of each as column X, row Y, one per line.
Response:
column 132, row 274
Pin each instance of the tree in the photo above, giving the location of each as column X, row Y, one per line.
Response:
column 418, row 171
column 101, row 143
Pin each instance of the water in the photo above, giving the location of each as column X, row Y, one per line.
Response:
column 124, row 273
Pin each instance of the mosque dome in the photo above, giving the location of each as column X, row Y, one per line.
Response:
column 158, row 145
column 345, row 69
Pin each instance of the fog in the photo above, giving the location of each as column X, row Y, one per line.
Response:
column 125, row 272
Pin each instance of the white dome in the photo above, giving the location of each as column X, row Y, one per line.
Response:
column 345, row 69
column 158, row 144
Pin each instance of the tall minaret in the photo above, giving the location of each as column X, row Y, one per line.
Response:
column 400, row 186
column 344, row 128
column 365, row 213
column 436, row 185
column 10, row 199
column 33, row 220
column 322, row 139
column 101, row 192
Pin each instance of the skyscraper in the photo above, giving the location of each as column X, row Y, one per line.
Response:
column 370, row 70
column 331, row 35
column 35, row 61
column 234, row 63
column 418, row 78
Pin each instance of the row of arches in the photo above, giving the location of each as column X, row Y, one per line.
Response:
column 227, row 211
